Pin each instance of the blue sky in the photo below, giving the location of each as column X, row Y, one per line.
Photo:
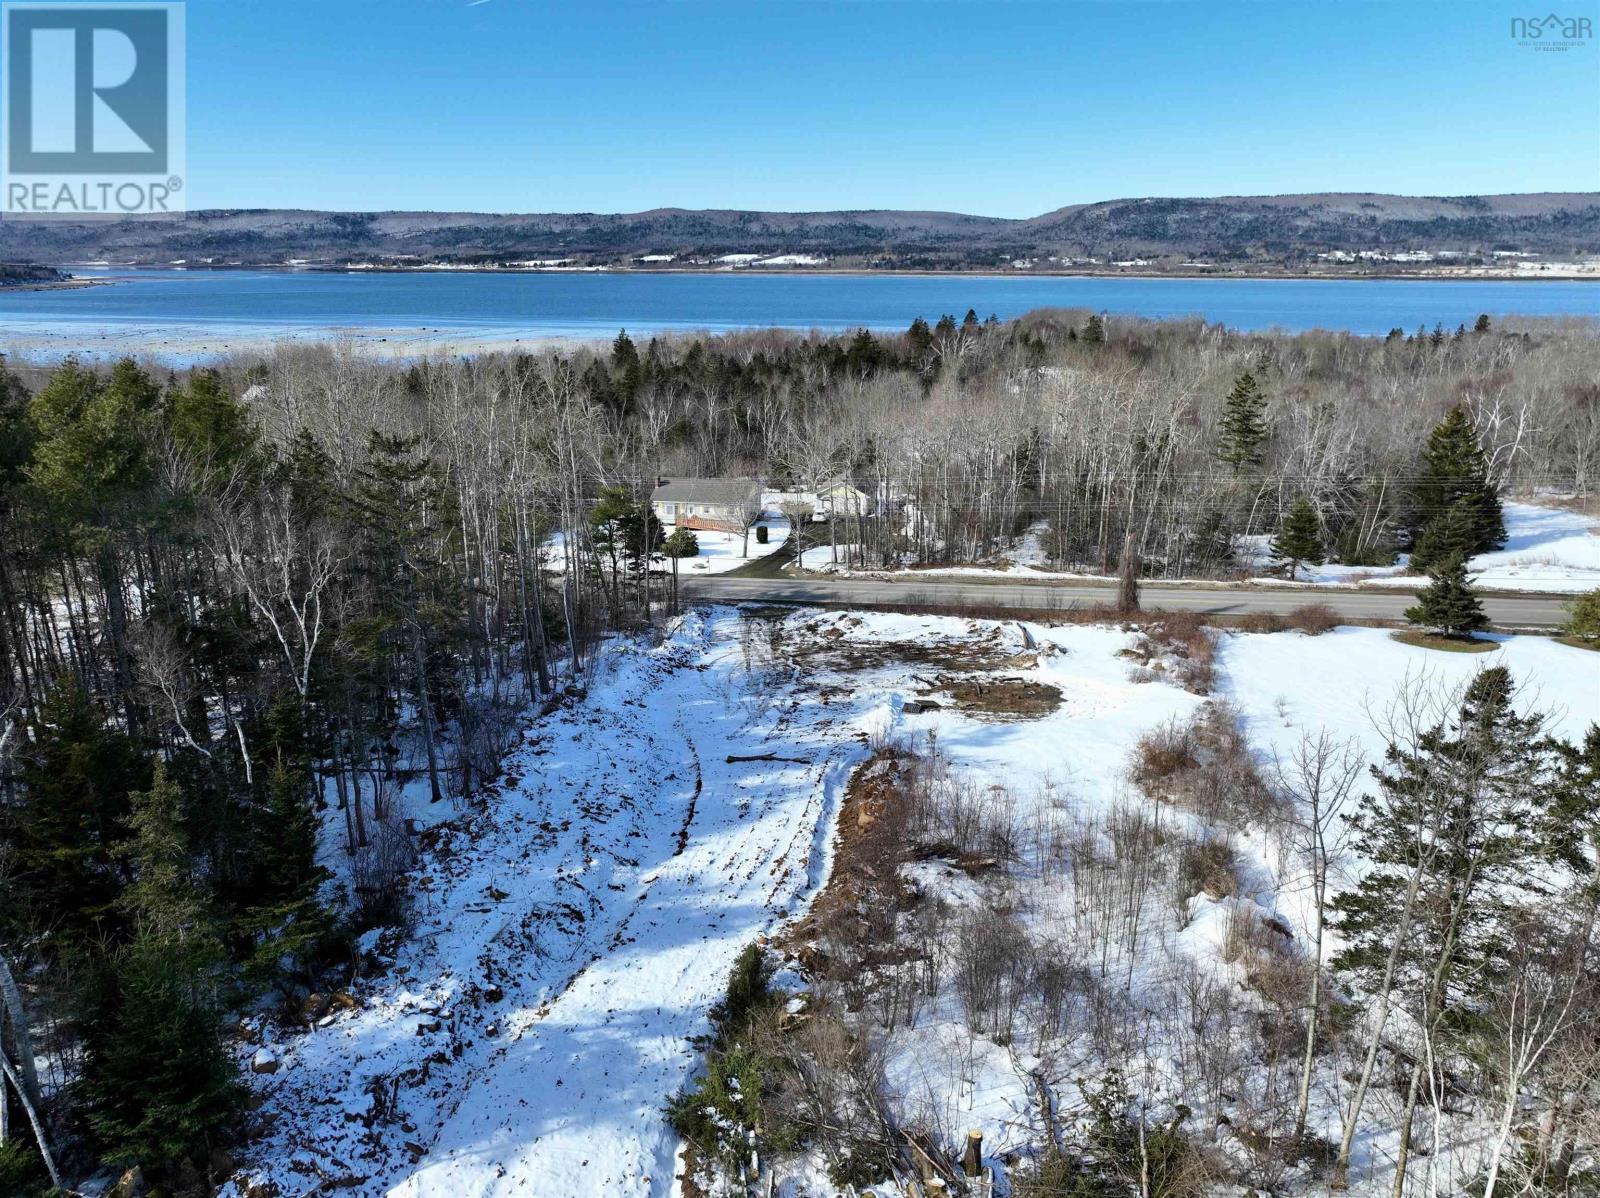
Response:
column 1005, row 108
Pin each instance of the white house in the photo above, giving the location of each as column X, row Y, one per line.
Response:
column 726, row 504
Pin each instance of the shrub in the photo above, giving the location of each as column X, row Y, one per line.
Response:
column 1313, row 619
column 717, row 1111
column 682, row 543
column 1583, row 616
column 1161, row 755
column 1185, row 637
column 749, row 991
column 1207, row 867
column 1155, row 1157
column 1261, row 621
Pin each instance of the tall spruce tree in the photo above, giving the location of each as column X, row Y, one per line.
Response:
column 157, row 1082
column 1456, row 831
column 286, row 920
column 1299, row 537
column 1455, row 473
column 1451, row 536
column 1243, row 431
column 1449, row 604
column 76, row 780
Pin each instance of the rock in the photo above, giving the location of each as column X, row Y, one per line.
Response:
column 265, row 1061
column 129, row 1185
column 260, row 1189
column 424, row 1026
column 493, row 993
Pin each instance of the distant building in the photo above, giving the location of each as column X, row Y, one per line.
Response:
column 839, row 497
column 835, row 497
column 725, row 504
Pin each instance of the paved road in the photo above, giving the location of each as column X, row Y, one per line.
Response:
column 1509, row 611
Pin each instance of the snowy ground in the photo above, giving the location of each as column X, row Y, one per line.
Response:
column 724, row 551
column 1547, row 549
column 568, row 941
column 570, row 936
column 719, row 551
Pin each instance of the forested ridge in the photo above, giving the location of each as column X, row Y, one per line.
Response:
column 241, row 603
column 1263, row 230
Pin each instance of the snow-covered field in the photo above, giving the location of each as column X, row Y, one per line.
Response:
column 1547, row 549
column 570, row 935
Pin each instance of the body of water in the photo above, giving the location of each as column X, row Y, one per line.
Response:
column 180, row 313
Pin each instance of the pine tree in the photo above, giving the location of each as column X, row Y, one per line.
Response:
column 157, row 1082
column 1243, row 431
column 1094, row 331
column 1299, row 537
column 1455, row 471
column 212, row 429
column 1449, row 604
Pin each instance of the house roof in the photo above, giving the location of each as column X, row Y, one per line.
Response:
column 726, row 491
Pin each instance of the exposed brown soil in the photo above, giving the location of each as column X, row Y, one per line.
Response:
column 866, row 858
column 830, row 645
column 1017, row 698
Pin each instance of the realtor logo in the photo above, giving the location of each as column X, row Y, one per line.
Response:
column 93, row 110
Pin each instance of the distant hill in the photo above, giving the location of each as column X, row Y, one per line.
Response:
column 1227, row 229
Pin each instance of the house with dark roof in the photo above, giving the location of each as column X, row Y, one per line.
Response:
column 726, row 504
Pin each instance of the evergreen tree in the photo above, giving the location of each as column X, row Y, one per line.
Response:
column 157, row 1082
column 1455, row 471
column 1583, row 616
column 1243, row 431
column 919, row 339
column 1451, row 536
column 211, row 428
column 1449, row 604
column 1481, row 325
column 76, row 776
column 1299, row 537
column 1094, row 331
column 682, row 543
column 1456, row 833
column 401, row 500
column 286, row 919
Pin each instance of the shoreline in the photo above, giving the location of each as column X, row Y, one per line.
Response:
column 1487, row 275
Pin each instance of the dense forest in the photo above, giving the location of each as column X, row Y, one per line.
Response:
column 239, row 604
column 1258, row 230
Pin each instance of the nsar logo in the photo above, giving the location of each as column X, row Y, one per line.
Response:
column 1552, row 32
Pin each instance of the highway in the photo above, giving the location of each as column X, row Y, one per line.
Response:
column 1505, row 611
